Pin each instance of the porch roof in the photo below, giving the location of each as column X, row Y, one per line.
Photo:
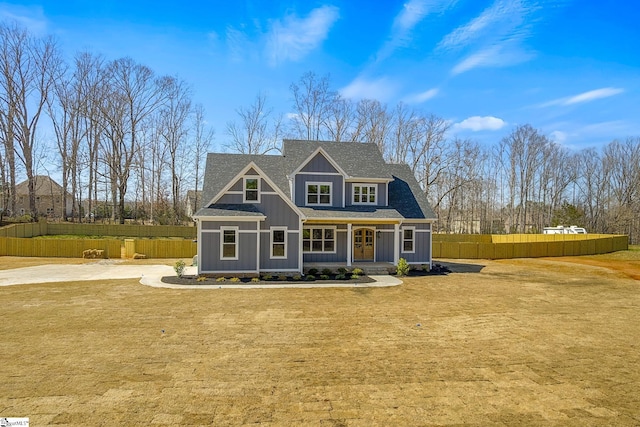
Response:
column 353, row 213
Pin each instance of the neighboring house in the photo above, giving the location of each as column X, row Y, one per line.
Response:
column 319, row 202
column 50, row 198
column 192, row 202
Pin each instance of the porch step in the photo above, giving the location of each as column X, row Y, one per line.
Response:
column 376, row 271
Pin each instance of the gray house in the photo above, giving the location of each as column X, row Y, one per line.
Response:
column 319, row 202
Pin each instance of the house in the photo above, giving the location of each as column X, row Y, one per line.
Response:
column 51, row 200
column 318, row 202
column 192, row 202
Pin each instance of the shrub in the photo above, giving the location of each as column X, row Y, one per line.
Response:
column 358, row 271
column 282, row 278
column 327, row 271
column 312, row 271
column 297, row 277
column 201, row 278
column 267, row 277
column 402, row 269
column 355, row 276
column 340, row 277
column 235, row 279
column 221, row 279
column 342, row 270
column 255, row 279
column 179, row 267
column 310, row 277
column 324, row 277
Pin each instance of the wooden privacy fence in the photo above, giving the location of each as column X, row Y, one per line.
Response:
column 62, row 248
column 525, row 245
column 160, row 248
column 42, row 228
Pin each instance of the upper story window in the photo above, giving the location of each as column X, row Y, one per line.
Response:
column 251, row 193
column 364, row 194
column 319, row 193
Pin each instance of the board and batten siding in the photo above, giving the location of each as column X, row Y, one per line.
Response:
column 422, row 244
column 336, row 188
column 319, row 164
column 293, row 250
column 381, row 193
column 209, row 258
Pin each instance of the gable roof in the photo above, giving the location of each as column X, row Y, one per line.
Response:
column 44, row 186
column 356, row 159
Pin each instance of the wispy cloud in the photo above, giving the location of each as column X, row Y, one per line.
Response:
column 418, row 98
column 588, row 96
column 30, row 17
column 480, row 123
column 381, row 89
column 292, row 38
column 495, row 37
column 412, row 13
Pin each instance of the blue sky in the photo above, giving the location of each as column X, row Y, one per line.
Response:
column 569, row 68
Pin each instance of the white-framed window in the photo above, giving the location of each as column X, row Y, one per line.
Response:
column 319, row 239
column 251, row 189
column 279, row 242
column 318, row 193
column 229, row 243
column 364, row 194
column 408, row 239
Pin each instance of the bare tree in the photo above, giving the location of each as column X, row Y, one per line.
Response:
column 312, row 103
column 255, row 133
column 203, row 137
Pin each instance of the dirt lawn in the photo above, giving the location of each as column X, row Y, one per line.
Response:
column 496, row 343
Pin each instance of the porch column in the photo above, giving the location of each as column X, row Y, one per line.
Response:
column 396, row 243
column 349, row 244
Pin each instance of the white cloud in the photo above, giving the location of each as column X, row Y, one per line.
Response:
column 30, row 17
column 412, row 13
column 293, row 38
column 559, row 136
column 478, row 123
column 494, row 56
column 379, row 89
column 588, row 96
column 418, row 98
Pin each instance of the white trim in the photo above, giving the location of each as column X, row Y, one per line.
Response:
column 275, row 270
column 422, row 230
column 233, row 192
column 362, row 185
column 320, row 173
column 333, row 163
column 199, row 247
column 321, row 227
column 413, row 239
column 232, row 218
column 318, row 184
column 284, row 242
column 244, row 188
column 349, row 244
column 352, row 179
column 230, row 271
column 396, row 243
column 269, row 193
column 235, row 242
column 386, row 187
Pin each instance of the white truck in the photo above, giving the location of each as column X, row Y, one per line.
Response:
column 564, row 230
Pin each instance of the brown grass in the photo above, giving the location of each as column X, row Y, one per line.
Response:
column 511, row 342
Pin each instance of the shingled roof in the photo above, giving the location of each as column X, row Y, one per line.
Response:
column 357, row 160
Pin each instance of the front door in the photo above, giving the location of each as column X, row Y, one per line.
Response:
column 363, row 248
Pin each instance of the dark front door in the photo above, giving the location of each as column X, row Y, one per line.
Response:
column 363, row 244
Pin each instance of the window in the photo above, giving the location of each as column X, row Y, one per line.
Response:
column 319, row 240
column 319, row 193
column 229, row 243
column 251, row 190
column 278, row 242
column 408, row 239
column 364, row 194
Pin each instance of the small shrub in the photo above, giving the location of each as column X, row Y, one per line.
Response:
column 282, row 278
column 340, row 277
column 221, row 279
column 267, row 277
column 235, row 279
column 324, row 277
column 342, row 270
column 255, row 279
column 297, row 277
column 425, row 267
column 201, row 279
column 355, row 276
column 327, row 271
column 310, row 277
column 358, row 271
column 179, row 267
column 312, row 271
column 402, row 269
